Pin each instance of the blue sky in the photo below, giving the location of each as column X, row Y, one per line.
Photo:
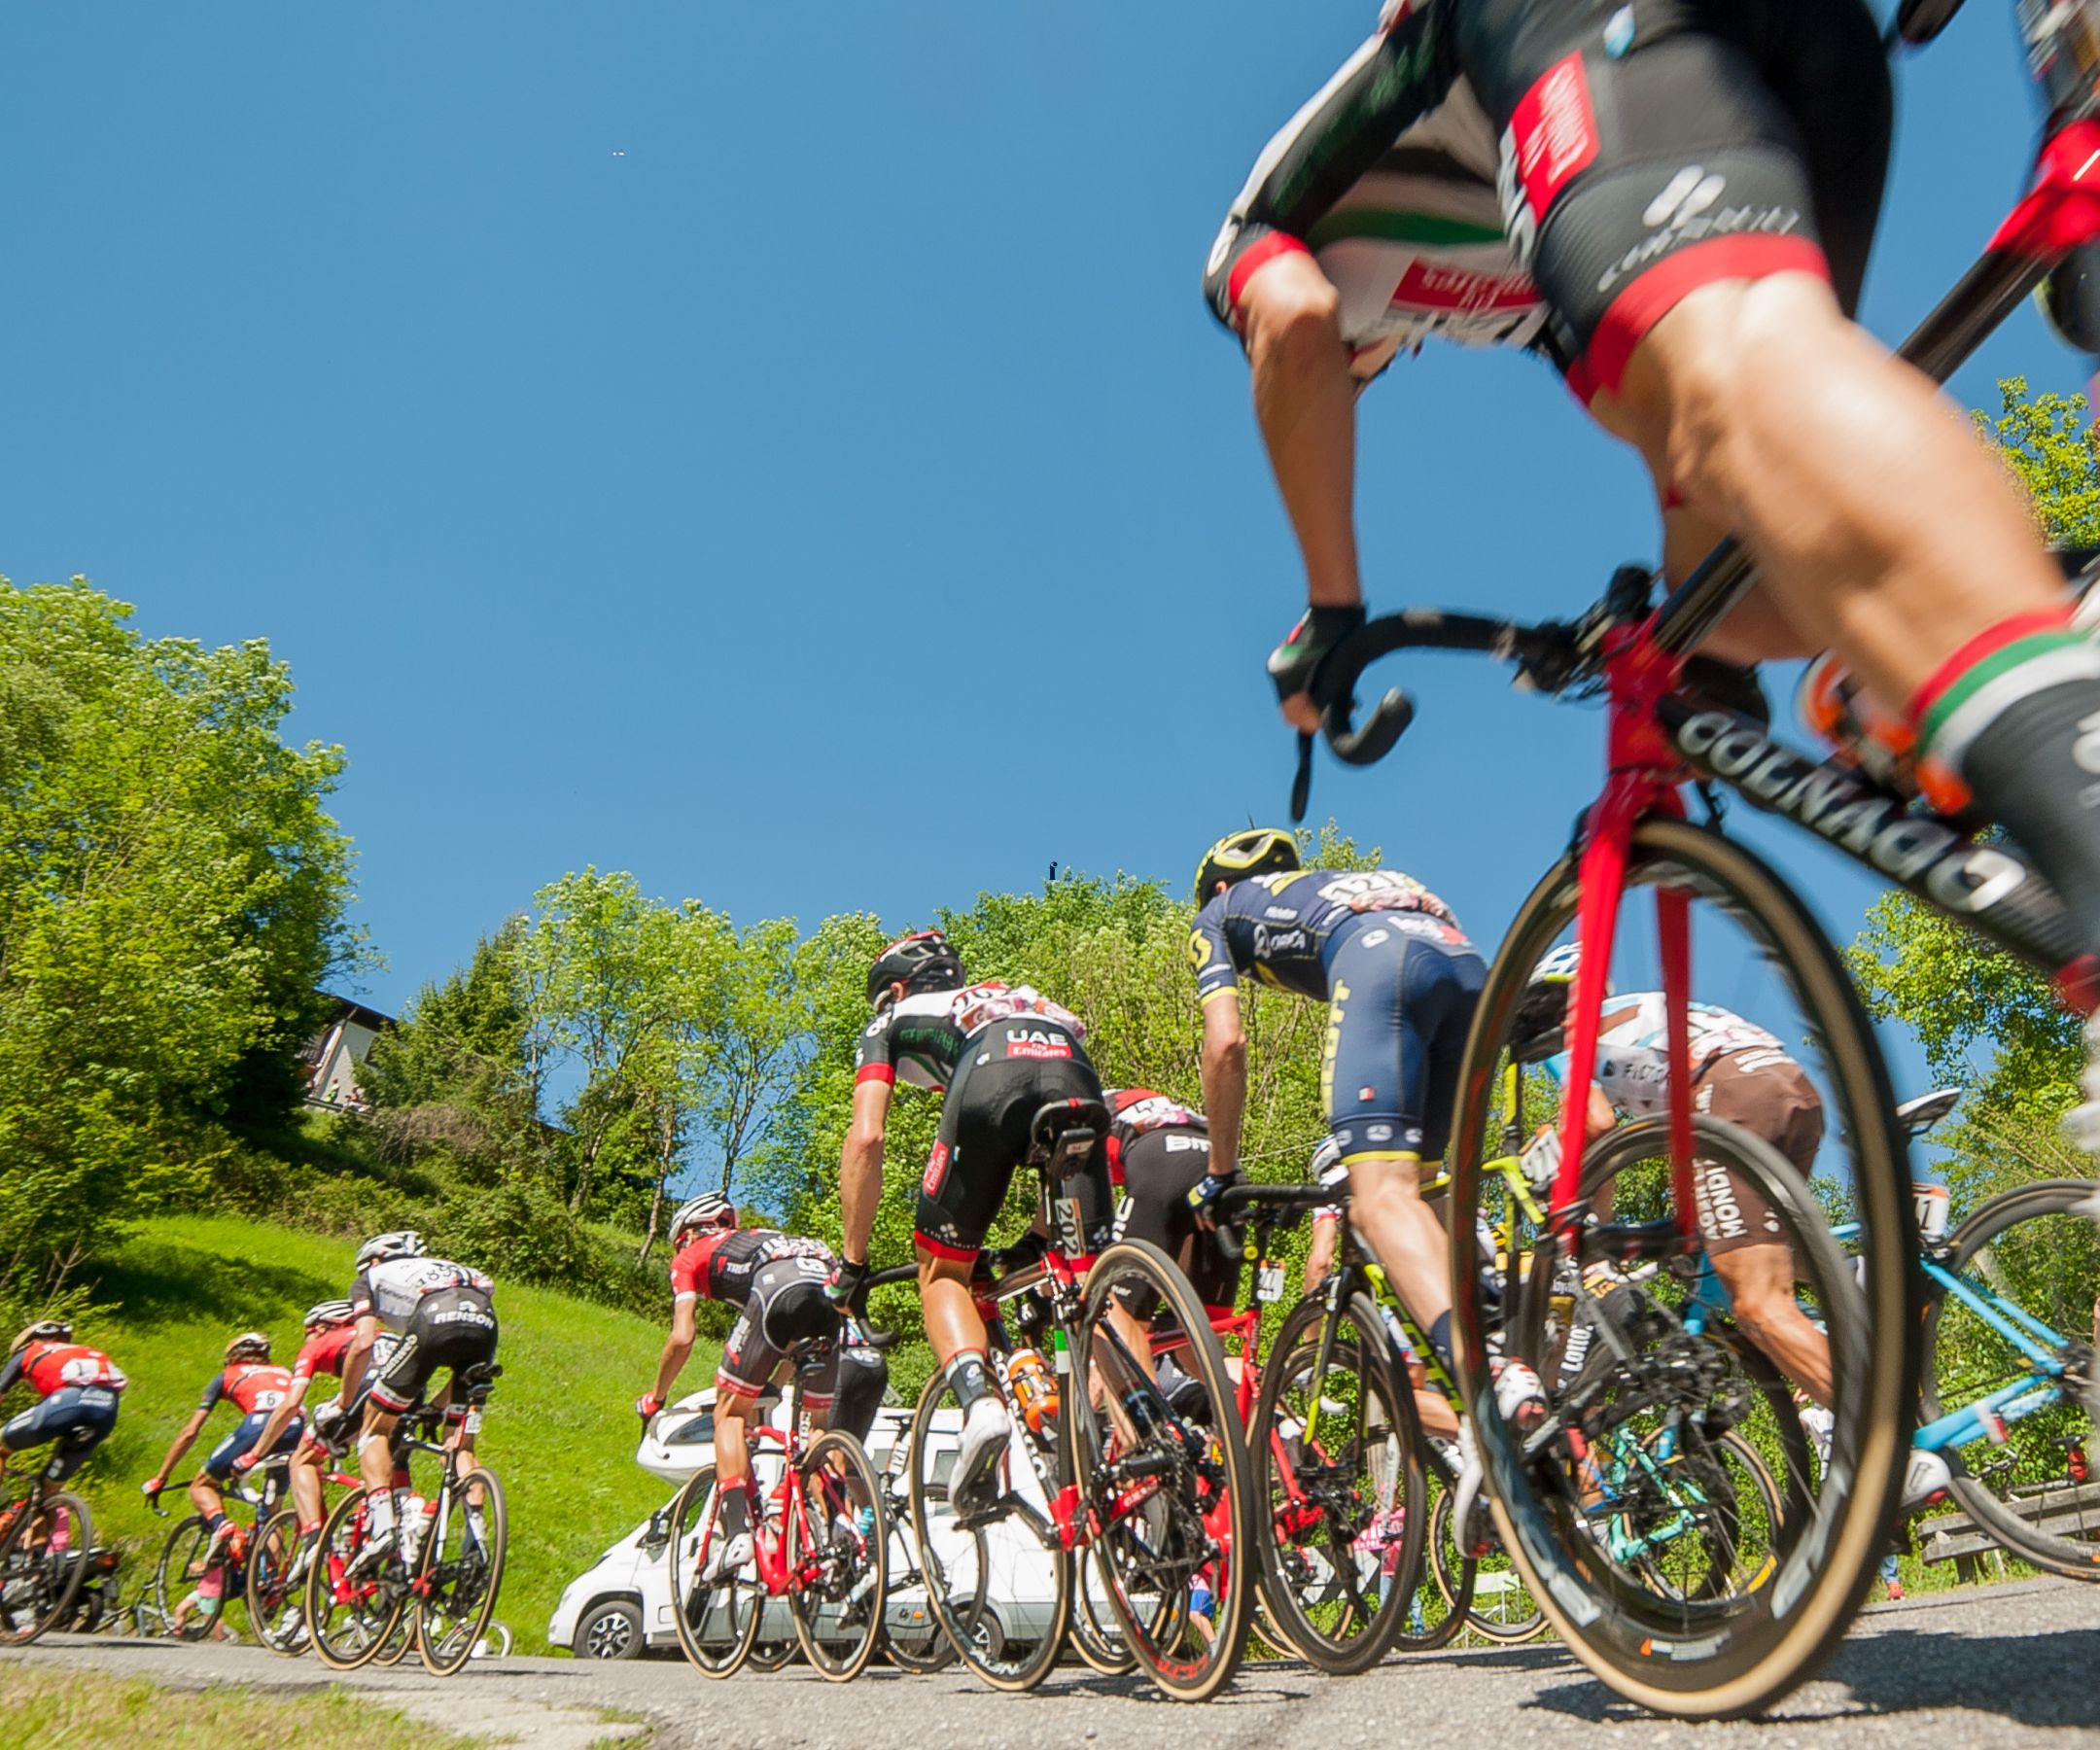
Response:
column 782, row 450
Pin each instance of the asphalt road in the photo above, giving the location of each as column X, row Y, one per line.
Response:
column 2007, row 1664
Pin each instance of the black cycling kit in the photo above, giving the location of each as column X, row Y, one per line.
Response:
column 1002, row 1054
column 444, row 1313
column 1398, row 976
column 1159, row 1151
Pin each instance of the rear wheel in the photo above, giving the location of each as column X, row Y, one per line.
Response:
column 276, row 1586
column 42, row 1559
column 460, row 1570
column 1736, row 1652
column 2029, row 1258
column 716, row 1620
column 191, row 1593
column 837, row 1551
column 1438, row 1614
column 1339, row 1478
column 1096, row 1637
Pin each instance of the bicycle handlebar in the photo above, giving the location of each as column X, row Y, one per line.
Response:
column 1284, row 1200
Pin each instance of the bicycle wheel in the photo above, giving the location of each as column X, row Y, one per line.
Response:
column 1437, row 1614
column 841, row 1570
column 912, row 1639
column 1730, row 1656
column 351, row 1613
column 2026, row 1261
column 1169, row 1490
column 1338, row 1477
column 276, row 1581
column 716, row 1620
column 181, row 1575
column 42, row 1559
column 1096, row 1635
column 460, row 1570
column 1008, row 1552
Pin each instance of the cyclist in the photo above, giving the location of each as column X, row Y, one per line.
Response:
column 77, row 1390
column 255, row 1385
column 1159, row 1151
column 999, row 1055
column 1693, row 189
column 779, row 1280
column 330, row 1329
column 445, row 1317
column 1740, row 1073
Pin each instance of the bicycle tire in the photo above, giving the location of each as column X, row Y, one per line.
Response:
column 856, row 1586
column 1446, row 1576
column 958, row 1582
column 771, row 1656
column 180, row 1553
column 694, row 1528
column 1743, row 1665
column 920, row 1654
column 57, row 1603
column 449, row 1622
column 1363, row 1630
column 1098, row 1642
column 1205, row 1502
column 1979, row 1244
column 271, row 1589
column 1488, row 1622
column 376, row 1614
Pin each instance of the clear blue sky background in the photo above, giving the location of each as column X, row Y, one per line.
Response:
column 782, row 450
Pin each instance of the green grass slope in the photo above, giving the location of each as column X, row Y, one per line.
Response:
column 560, row 1431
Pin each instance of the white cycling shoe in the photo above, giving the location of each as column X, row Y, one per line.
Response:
column 1521, row 1402
column 1926, row 1479
column 728, row 1554
column 2082, row 1123
column 986, row 1430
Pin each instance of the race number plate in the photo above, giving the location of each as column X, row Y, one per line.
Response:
column 1269, row 1285
column 474, row 1421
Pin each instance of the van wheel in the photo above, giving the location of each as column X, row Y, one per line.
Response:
column 612, row 1629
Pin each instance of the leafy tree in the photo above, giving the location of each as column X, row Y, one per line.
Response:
column 171, row 898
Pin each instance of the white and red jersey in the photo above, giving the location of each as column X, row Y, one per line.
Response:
column 920, row 1039
column 50, row 1367
column 252, row 1386
column 325, row 1353
column 719, row 1266
column 1632, row 1056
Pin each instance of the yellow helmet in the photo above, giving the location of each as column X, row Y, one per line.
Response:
column 1257, row 851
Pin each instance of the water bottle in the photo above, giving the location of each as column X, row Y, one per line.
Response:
column 414, row 1517
column 1035, row 1387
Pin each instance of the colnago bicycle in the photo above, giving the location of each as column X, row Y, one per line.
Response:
column 1737, row 1650
column 1149, row 1497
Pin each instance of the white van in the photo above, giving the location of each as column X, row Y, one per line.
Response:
column 622, row 1607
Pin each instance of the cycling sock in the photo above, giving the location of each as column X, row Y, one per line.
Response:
column 2016, row 712
column 379, row 1509
column 736, row 1509
column 967, row 1378
column 213, row 1522
column 1440, row 1338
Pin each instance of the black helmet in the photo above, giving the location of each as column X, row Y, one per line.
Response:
column 923, row 961
column 1258, row 851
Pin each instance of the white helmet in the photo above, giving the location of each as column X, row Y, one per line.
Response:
column 710, row 1209
column 1559, row 966
column 403, row 1242
column 1327, row 1158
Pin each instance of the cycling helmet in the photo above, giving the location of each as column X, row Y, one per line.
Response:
column 1542, row 1010
column 45, row 1330
column 1258, row 851
column 249, row 1344
column 1121, row 1100
column 403, row 1242
column 330, row 1312
column 1327, row 1158
column 710, row 1209
column 923, row 961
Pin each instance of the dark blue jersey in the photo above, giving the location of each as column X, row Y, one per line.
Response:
column 1282, row 929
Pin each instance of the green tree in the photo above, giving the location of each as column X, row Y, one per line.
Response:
column 171, row 898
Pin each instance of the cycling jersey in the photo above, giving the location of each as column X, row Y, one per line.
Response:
column 390, row 1293
column 1159, row 1151
column 325, row 1353
column 1632, row 1056
column 920, row 1039
column 50, row 1367
column 250, row 1386
column 1140, row 1117
column 721, row 1265
column 1285, row 929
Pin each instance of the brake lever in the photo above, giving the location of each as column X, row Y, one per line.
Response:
column 1301, row 790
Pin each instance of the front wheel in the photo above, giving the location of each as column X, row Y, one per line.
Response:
column 716, row 1618
column 838, row 1556
column 276, row 1584
column 191, row 1593
column 352, row 1606
column 2011, row 1337
column 1584, row 1525
column 459, row 1571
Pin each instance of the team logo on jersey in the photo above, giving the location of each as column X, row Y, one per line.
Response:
column 1034, row 1043
column 936, row 1170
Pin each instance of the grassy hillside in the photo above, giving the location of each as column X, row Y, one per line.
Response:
column 560, row 1431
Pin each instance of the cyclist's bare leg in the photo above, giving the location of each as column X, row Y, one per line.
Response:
column 1387, row 1208
column 305, row 1476
column 204, row 1495
column 1879, row 525
column 732, row 1437
column 1438, row 1418
column 375, row 1452
column 952, row 1325
column 1760, row 1281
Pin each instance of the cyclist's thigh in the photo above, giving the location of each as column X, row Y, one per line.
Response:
column 220, row 1464
column 1770, row 1095
column 1161, row 1168
column 1646, row 154
column 1444, row 1014
column 1392, row 985
column 405, row 1375
column 748, row 1361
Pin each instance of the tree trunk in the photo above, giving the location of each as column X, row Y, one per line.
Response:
column 665, row 1138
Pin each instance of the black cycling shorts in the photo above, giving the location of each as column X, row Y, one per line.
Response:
column 1654, row 146
column 78, row 1418
column 1008, row 1073
column 786, row 1307
column 452, row 1327
column 1160, row 1169
column 1399, row 1001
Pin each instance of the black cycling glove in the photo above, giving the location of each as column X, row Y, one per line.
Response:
column 1293, row 662
column 848, row 1285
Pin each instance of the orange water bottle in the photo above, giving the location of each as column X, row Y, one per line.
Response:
column 1035, row 1386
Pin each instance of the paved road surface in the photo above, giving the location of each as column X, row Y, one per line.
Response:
column 2014, row 1664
